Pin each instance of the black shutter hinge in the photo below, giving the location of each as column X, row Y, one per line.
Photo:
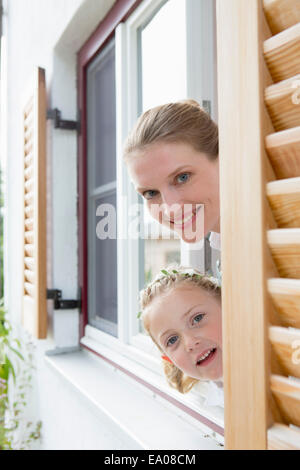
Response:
column 59, row 303
column 59, row 123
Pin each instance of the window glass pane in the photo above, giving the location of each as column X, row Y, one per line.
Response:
column 163, row 55
column 162, row 60
column 102, row 268
column 101, row 166
column 102, row 118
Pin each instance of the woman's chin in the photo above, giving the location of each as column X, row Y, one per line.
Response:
column 191, row 237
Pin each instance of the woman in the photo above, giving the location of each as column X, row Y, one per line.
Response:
column 172, row 158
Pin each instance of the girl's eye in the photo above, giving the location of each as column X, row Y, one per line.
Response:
column 172, row 340
column 150, row 194
column 182, row 178
column 197, row 318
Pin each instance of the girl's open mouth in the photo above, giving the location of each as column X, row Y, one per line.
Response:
column 206, row 358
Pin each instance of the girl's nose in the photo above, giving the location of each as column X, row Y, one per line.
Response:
column 190, row 342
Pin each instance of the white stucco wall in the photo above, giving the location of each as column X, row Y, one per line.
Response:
column 68, row 395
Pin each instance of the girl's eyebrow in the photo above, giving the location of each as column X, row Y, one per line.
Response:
column 183, row 316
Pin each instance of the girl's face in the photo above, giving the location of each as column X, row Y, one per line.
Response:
column 178, row 183
column 186, row 323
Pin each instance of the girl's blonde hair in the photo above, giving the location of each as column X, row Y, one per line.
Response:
column 172, row 277
column 184, row 121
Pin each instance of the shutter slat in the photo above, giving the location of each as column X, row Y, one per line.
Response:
column 279, row 101
column 28, row 107
column 285, row 249
column 29, row 237
column 285, row 343
column 28, row 160
column 28, row 173
column 284, row 151
column 282, row 53
column 287, row 394
column 29, row 263
column 29, row 289
column 284, row 199
column 29, row 223
column 29, row 185
column 29, row 275
column 29, row 250
column 281, row 14
column 285, row 294
column 28, row 147
column 29, row 198
column 282, row 437
column 28, row 134
column 28, row 122
column 29, row 211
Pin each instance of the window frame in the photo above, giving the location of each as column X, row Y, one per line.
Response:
column 136, row 350
column 99, row 38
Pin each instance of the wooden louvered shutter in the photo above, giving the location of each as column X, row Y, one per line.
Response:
column 34, row 317
column 259, row 120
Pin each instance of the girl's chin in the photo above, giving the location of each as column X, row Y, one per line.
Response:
column 213, row 377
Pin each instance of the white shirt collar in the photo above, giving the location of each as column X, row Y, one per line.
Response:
column 215, row 240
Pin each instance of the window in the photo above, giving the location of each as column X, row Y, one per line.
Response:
column 118, row 79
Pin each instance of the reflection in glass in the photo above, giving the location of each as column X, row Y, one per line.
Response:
column 101, row 165
column 162, row 61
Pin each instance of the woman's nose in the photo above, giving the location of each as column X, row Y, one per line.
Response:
column 171, row 204
column 170, row 196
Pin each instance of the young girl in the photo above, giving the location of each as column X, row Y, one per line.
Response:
column 172, row 159
column 181, row 311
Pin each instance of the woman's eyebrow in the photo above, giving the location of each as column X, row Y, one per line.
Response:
column 142, row 190
column 178, row 170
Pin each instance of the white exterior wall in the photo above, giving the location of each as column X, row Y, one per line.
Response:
column 75, row 410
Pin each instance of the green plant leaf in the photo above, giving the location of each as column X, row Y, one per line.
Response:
column 11, row 368
column 16, row 352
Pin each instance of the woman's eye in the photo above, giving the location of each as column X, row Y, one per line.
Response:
column 150, row 194
column 183, row 178
column 197, row 318
column 172, row 340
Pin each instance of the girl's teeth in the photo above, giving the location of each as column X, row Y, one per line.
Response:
column 204, row 355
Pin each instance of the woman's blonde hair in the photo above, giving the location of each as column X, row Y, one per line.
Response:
column 184, row 121
column 169, row 278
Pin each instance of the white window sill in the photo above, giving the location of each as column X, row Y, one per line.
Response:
column 134, row 413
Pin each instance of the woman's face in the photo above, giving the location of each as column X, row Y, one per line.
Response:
column 180, row 186
column 186, row 323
